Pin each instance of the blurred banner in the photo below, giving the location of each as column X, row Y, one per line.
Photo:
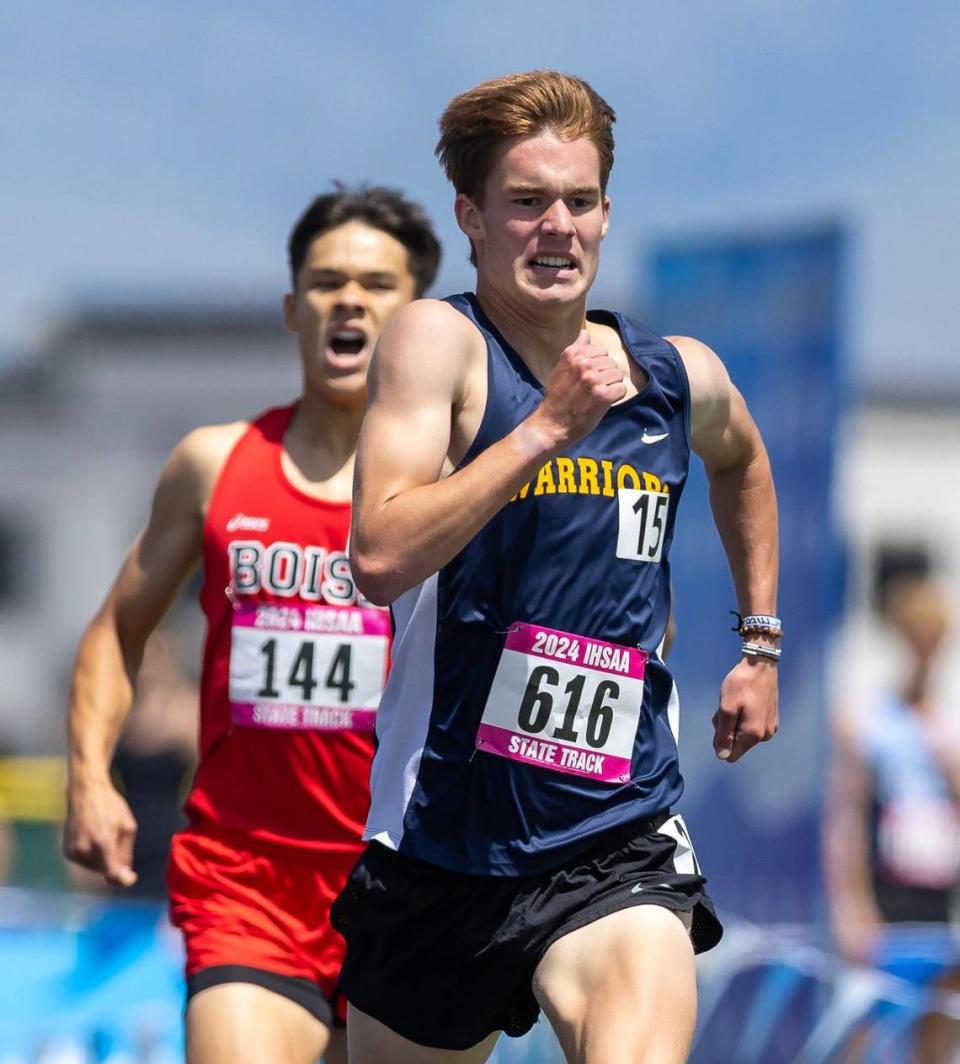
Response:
column 771, row 307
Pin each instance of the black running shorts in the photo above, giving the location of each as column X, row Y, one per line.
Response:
column 445, row 958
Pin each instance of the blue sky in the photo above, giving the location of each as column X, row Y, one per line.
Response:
column 164, row 150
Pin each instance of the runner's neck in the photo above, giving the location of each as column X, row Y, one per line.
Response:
column 537, row 334
column 324, row 426
column 319, row 448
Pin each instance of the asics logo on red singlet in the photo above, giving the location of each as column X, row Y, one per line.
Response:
column 245, row 523
column 289, row 570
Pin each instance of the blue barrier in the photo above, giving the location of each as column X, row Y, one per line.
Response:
column 96, row 981
column 92, row 981
column 771, row 996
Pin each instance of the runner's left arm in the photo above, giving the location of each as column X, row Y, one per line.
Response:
column 744, row 506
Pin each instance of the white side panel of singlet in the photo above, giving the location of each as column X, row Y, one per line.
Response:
column 403, row 718
column 673, row 713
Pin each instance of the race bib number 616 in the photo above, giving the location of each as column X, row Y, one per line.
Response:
column 565, row 702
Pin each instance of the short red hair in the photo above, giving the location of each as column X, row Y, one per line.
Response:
column 478, row 121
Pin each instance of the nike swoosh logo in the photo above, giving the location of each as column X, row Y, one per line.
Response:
column 647, row 438
column 656, row 886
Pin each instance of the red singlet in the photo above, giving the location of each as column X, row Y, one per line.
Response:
column 292, row 667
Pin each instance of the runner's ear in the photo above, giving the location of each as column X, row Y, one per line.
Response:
column 468, row 216
column 290, row 311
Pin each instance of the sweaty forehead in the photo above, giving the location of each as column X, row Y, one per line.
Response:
column 357, row 248
column 548, row 161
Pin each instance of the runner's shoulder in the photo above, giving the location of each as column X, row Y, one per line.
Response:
column 710, row 385
column 197, row 460
column 429, row 325
column 697, row 357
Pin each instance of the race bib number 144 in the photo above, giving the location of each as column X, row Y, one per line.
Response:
column 313, row 667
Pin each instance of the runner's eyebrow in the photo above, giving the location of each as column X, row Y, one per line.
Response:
column 539, row 190
column 380, row 275
column 328, row 273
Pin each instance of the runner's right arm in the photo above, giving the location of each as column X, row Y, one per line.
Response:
column 100, row 828
column 408, row 520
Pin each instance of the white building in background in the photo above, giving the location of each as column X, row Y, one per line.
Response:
column 897, row 495
column 86, row 424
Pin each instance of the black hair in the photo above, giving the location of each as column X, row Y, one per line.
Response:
column 380, row 208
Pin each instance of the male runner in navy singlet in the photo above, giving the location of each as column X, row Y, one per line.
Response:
column 516, row 489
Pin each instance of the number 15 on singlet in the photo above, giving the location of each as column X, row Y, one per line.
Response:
column 643, row 524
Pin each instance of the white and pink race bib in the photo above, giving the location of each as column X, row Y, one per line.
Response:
column 565, row 702
column 307, row 667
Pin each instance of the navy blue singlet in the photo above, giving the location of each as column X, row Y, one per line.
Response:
column 582, row 549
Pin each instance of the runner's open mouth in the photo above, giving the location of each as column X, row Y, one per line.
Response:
column 347, row 342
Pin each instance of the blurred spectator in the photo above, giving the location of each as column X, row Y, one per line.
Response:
column 892, row 829
column 6, row 831
column 6, row 848
column 157, row 754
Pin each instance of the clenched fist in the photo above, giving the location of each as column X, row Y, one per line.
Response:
column 584, row 384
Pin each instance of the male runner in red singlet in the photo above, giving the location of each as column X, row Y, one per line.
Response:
column 293, row 665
